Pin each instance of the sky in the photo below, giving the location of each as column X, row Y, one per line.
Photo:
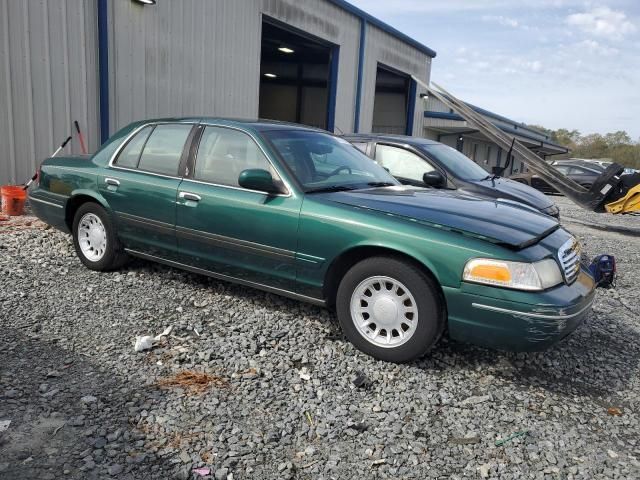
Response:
column 571, row 64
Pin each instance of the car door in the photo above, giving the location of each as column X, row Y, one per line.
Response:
column 406, row 166
column 224, row 228
column 583, row 176
column 141, row 187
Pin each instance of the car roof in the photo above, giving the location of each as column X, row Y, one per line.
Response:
column 369, row 137
column 594, row 167
column 247, row 123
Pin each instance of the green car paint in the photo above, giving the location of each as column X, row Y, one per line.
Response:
column 298, row 244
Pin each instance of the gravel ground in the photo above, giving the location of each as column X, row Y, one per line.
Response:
column 282, row 402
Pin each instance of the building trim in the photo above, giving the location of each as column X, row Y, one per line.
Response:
column 333, row 88
column 411, row 106
column 487, row 113
column 103, row 69
column 515, row 131
column 443, row 115
column 361, row 54
column 384, row 27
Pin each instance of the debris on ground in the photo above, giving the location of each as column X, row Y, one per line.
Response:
column 614, row 411
column 304, row 374
column 4, row 425
column 475, row 400
column 309, row 419
column 193, row 382
column 147, row 342
column 501, row 442
column 484, row 470
column 469, row 439
column 362, row 381
column 202, row 471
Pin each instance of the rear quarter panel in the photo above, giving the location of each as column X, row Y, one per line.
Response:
column 61, row 180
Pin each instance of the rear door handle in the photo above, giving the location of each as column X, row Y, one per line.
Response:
column 112, row 184
column 190, row 196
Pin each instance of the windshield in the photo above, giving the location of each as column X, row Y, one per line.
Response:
column 455, row 162
column 323, row 162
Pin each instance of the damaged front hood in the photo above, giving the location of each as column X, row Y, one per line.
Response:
column 515, row 226
column 515, row 191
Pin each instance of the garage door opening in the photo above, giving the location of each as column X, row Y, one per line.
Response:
column 297, row 77
column 392, row 101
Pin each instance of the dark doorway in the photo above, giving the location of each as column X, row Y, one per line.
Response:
column 391, row 103
column 297, row 77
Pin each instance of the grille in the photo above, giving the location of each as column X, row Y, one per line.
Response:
column 569, row 255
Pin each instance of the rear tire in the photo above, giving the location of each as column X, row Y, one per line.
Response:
column 389, row 309
column 95, row 239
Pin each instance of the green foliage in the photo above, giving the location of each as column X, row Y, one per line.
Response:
column 617, row 146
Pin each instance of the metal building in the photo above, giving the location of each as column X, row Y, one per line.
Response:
column 107, row 63
column 443, row 125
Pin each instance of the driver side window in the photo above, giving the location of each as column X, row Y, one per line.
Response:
column 223, row 153
column 401, row 163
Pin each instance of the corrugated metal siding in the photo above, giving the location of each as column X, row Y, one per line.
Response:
column 435, row 105
column 198, row 57
column 430, row 122
column 190, row 57
column 48, row 78
column 388, row 50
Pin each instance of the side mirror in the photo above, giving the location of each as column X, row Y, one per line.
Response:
column 434, row 179
column 258, row 179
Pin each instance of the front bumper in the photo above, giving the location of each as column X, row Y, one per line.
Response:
column 515, row 320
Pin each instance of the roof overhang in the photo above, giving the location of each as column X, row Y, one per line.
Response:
column 444, row 123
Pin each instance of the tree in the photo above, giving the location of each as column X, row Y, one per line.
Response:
column 617, row 138
column 566, row 137
column 617, row 146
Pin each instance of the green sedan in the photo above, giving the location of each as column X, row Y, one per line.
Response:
column 302, row 213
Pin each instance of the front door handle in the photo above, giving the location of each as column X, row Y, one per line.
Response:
column 190, row 196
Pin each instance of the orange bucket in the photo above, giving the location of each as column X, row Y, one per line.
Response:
column 13, row 198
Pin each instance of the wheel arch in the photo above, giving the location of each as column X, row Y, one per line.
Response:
column 78, row 198
column 347, row 259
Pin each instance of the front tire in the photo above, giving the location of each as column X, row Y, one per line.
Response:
column 95, row 239
column 390, row 309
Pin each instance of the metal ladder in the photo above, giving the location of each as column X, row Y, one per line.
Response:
column 590, row 199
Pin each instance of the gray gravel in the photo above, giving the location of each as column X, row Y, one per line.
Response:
column 83, row 404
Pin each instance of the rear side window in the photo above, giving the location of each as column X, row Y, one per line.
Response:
column 163, row 149
column 131, row 152
column 224, row 153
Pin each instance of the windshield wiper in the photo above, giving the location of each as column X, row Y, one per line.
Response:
column 380, row 184
column 492, row 176
column 331, row 188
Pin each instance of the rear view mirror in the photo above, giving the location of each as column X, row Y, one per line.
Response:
column 434, row 179
column 320, row 148
column 258, row 179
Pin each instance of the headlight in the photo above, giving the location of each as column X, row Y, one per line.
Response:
column 553, row 211
column 517, row 275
